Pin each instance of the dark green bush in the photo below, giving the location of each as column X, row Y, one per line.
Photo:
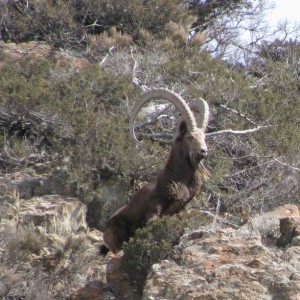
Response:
column 150, row 245
column 68, row 23
column 154, row 242
column 81, row 118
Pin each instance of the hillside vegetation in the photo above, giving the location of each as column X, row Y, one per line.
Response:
column 80, row 116
column 76, row 116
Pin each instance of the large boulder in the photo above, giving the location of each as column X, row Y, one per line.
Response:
column 55, row 213
column 45, row 243
column 226, row 264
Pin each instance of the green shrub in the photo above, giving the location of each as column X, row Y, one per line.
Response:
column 153, row 243
column 150, row 245
column 68, row 23
column 80, row 118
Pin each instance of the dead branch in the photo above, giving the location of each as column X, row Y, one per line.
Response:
column 216, row 216
column 285, row 164
column 211, row 134
column 238, row 113
column 135, row 80
column 153, row 118
column 111, row 49
column 219, row 219
column 235, row 132
column 13, row 159
column 250, row 168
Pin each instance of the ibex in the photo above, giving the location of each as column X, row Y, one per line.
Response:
column 176, row 184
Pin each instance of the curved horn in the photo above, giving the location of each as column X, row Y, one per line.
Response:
column 168, row 95
column 200, row 107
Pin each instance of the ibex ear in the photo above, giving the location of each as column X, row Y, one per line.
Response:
column 182, row 129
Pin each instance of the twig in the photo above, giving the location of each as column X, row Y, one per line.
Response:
column 10, row 161
column 286, row 165
column 238, row 113
column 272, row 160
column 156, row 116
column 93, row 24
column 220, row 219
column 217, row 212
column 135, row 80
column 251, row 168
column 211, row 134
column 158, row 137
column 111, row 49
column 13, row 160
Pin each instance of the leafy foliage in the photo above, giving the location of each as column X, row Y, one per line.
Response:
column 82, row 115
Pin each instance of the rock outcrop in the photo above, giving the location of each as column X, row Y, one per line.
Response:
column 44, row 235
column 289, row 232
column 222, row 263
column 41, row 50
column 227, row 264
column 45, row 243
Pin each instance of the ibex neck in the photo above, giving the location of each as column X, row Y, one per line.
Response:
column 179, row 167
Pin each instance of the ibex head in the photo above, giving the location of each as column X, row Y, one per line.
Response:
column 192, row 144
column 191, row 132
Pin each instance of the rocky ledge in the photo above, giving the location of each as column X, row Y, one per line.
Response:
column 224, row 263
column 47, row 249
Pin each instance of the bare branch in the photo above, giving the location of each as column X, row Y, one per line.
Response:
column 156, row 136
column 238, row 113
column 286, row 165
column 93, row 24
column 158, row 114
column 135, row 80
column 235, row 132
column 11, row 155
column 250, row 168
column 219, row 219
column 162, row 138
column 216, row 216
column 111, row 49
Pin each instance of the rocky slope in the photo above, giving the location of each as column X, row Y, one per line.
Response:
column 45, row 233
column 226, row 264
column 47, row 250
column 223, row 263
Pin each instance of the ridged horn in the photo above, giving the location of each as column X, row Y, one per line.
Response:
column 170, row 96
column 201, row 108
